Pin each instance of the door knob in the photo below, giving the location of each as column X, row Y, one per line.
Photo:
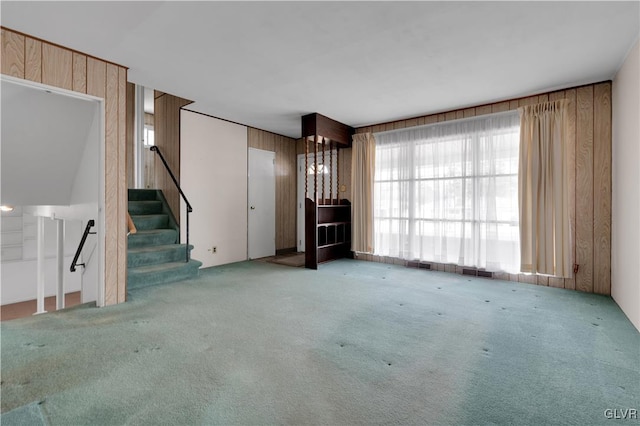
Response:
column 253, row 208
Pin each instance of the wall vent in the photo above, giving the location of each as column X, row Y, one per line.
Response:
column 477, row 273
column 418, row 264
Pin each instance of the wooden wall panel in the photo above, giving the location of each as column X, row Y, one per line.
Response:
column 483, row 110
column 286, row 150
column 57, row 66
column 602, row 188
column 130, row 137
column 111, row 180
column 345, row 173
column 67, row 69
column 167, row 138
column 286, row 193
column 570, row 95
column 500, row 107
column 260, row 139
column 469, row 112
column 12, row 54
column 96, row 77
column 33, row 60
column 123, row 199
column 584, row 188
column 79, row 72
column 589, row 162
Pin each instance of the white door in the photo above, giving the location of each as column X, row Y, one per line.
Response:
column 311, row 177
column 262, row 203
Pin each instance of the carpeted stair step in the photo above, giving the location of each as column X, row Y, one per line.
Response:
column 143, row 276
column 150, row 221
column 145, row 207
column 142, row 194
column 153, row 255
column 153, row 237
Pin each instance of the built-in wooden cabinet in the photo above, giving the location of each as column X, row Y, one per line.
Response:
column 327, row 232
column 327, row 217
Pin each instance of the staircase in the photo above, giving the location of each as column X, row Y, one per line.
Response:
column 154, row 255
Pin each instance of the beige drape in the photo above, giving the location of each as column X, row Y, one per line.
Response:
column 543, row 193
column 363, row 164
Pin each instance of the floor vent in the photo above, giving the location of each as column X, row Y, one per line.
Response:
column 466, row 271
column 425, row 265
column 485, row 274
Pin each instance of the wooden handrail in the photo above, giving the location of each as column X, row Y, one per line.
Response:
column 131, row 225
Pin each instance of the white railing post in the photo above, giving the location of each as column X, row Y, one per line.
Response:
column 60, row 258
column 41, row 264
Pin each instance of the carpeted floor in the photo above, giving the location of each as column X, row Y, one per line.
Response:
column 292, row 259
column 352, row 343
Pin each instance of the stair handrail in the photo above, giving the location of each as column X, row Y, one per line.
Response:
column 86, row 232
column 130, row 225
column 184, row 197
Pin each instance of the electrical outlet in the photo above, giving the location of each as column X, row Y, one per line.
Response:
column 213, row 249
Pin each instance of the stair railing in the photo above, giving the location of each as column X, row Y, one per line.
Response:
column 184, row 197
column 86, row 232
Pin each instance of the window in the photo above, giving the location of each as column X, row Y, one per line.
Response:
column 148, row 139
column 448, row 193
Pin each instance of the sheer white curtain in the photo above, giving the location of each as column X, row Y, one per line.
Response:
column 448, row 193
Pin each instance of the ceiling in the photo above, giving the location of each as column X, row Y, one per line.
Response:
column 265, row 64
column 40, row 162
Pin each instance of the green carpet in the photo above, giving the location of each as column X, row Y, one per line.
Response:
column 352, row 343
column 154, row 255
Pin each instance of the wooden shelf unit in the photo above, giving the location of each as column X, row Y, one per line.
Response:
column 327, row 232
column 327, row 220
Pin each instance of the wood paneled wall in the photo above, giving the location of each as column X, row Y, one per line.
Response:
column 590, row 179
column 131, row 117
column 167, row 138
column 37, row 60
column 286, row 190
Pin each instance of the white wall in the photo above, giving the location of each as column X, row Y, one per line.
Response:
column 625, row 238
column 213, row 176
column 43, row 134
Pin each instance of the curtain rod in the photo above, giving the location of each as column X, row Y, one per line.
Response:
column 457, row 120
